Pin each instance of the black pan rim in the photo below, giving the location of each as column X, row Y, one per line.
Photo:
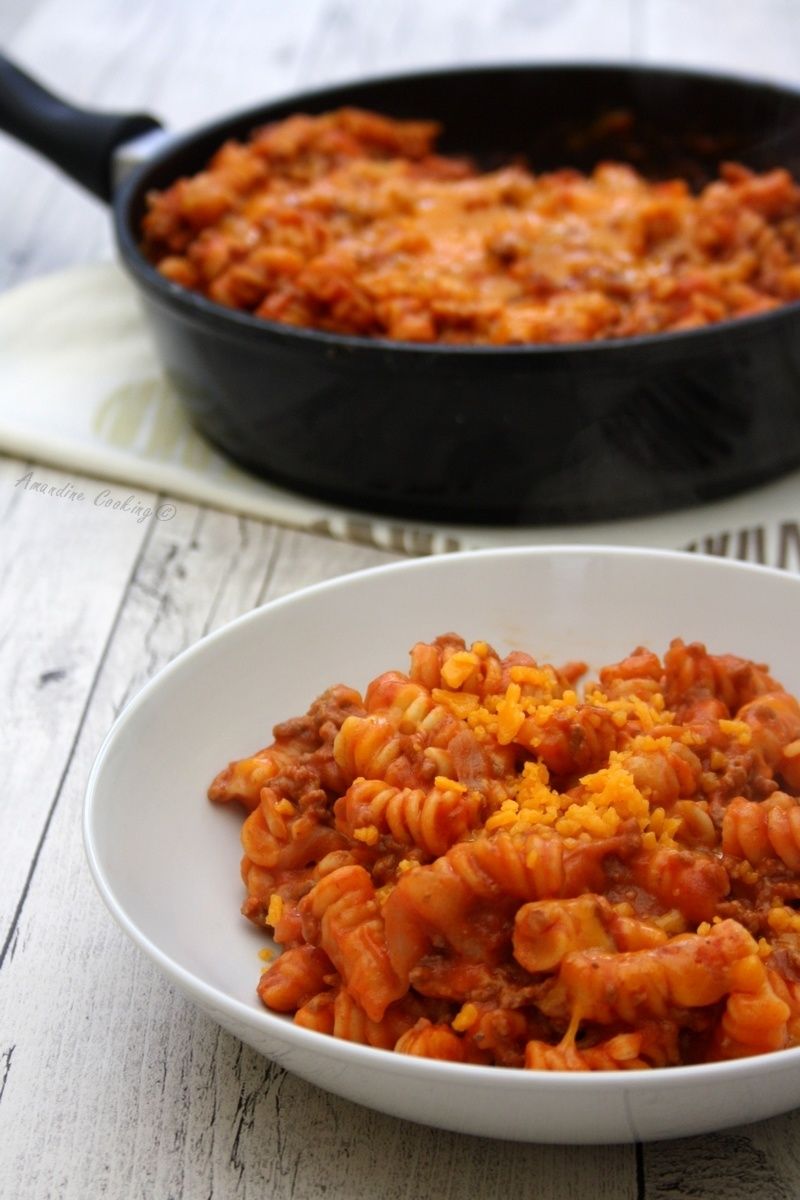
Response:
column 237, row 324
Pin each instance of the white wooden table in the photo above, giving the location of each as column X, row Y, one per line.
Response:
column 111, row 1084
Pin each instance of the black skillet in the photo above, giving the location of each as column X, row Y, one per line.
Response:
column 524, row 434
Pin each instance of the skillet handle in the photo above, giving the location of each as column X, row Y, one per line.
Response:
column 77, row 140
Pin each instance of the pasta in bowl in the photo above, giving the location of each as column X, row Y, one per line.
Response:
column 533, row 901
column 473, row 863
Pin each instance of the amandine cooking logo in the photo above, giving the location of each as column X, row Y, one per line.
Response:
column 129, row 505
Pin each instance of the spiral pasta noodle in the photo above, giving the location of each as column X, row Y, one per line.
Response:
column 475, row 863
column 351, row 222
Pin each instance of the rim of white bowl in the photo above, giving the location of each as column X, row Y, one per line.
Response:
column 477, row 1075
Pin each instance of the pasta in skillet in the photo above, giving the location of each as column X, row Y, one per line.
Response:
column 350, row 222
column 475, row 862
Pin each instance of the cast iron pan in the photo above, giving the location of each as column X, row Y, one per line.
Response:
column 503, row 435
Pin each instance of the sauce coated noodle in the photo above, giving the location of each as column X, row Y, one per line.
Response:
column 476, row 862
column 351, row 223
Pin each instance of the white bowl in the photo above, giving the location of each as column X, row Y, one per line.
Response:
column 166, row 860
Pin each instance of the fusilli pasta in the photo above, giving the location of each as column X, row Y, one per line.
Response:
column 475, row 863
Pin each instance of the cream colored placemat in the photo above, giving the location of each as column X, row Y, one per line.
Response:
column 81, row 388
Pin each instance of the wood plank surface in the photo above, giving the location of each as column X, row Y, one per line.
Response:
column 758, row 37
column 111, row 1084
column 161, row 1102
column 64, row 568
